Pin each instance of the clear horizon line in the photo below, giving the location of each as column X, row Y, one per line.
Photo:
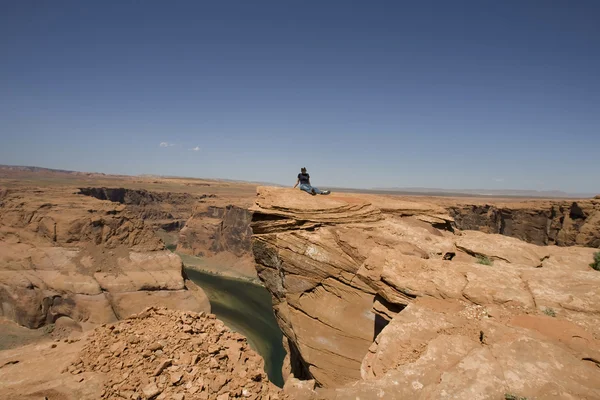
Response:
column 420, row 190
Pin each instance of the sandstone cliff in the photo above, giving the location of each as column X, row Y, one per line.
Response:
column 166, row 210
column 63, row 254
column 563, row 223
column 382, row 298
column 201, row 225
column 221, row 235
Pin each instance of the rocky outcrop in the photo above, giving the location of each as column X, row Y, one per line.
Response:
column 166, row 210
column 383, row 298
column 58, row 218
column 434, row 348
column 197, row 225
column 137, row 197
column 93, row 261
column 156, row 354
column 545, row 222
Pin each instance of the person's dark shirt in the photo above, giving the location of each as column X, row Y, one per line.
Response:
column 304, row 179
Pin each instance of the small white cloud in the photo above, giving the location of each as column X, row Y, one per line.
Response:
column 166, row 144
column 197, row 148
column 499, row 179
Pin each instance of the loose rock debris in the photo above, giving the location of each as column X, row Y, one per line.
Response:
column 166, row 354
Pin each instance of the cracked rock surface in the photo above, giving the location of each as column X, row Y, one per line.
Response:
column 381, row 297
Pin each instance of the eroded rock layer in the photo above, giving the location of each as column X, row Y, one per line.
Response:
column 166, row 210
column 63, row 254
column 383, row 298
column 563, row 223
column 221, row 235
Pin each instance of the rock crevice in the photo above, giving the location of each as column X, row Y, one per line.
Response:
column 365, row 302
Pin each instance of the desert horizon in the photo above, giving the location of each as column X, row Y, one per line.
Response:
column 300, row 200
column 490, row 193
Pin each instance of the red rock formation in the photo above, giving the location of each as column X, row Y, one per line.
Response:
column 377, row 302
column 563, row 223
column 200, row 225
column 212, row 232
column 62, row 254
column 166, row 210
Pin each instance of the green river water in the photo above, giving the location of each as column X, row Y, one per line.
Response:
column 246, row 308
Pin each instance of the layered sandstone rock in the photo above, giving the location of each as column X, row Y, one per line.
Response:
column 220, row 235
column 166, row 210
column 564, row 223
column 201, row 225
column 63, row 254
column 383, row 298
column 211, row 230
column 58, row 217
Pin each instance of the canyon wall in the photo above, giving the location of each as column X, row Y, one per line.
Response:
column 221, row 235
column 63, row 254
column 563, row 223
column 198, row 225
column 166, row 210
column 377, row 296
column 212, row 230
column 383, row 298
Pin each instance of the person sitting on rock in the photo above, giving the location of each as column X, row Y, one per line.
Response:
column 304, row 181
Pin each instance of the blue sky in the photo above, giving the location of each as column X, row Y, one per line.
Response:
column 449, row 94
